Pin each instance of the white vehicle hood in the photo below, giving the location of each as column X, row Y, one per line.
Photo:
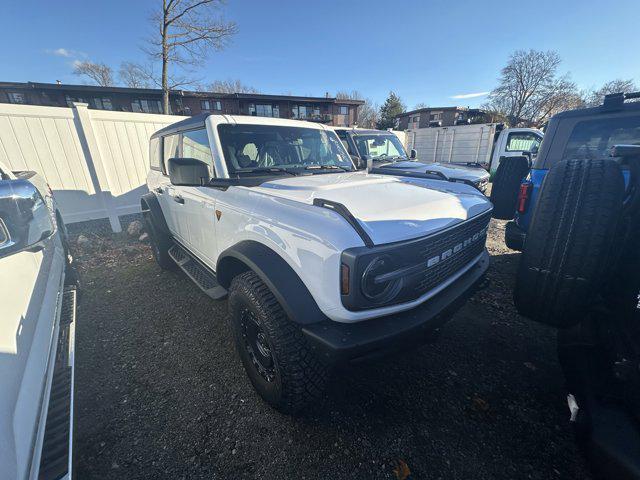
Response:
column 389, row 208
column 450, row 170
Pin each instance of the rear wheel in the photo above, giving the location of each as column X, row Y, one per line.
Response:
column 275, row 355
column 160, row 244
column 506, row 184
column 569, row 250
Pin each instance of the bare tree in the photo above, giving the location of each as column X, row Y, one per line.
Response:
column 99, row 73
column 619, row 85
column 187, row 30
column 529, row 89
column 367, row 112
column 231, row 86
column 420, row 105
column 561, row 94
column 353, row 95
column 135, row 75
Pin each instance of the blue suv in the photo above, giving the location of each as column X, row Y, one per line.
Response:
column 577, row 223
column 585, row 133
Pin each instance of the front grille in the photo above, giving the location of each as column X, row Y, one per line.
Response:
column 433, row 276
column 430, row 261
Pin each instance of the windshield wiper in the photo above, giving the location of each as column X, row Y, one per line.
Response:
column 326, row 167
column 385, row 158
column 265, row 170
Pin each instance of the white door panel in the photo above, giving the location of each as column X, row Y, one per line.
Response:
column 201, row 207
column 30, row 295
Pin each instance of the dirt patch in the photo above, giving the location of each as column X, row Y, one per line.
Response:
column 160, row 392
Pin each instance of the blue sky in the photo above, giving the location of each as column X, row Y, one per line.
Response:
column 426, row 51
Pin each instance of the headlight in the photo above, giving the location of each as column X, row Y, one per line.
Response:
column 375, row 288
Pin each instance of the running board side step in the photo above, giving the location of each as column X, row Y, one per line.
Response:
column 201, row 275
column 56, row 455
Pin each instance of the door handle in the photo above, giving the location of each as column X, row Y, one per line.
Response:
column 158, row 190
column 179, row 199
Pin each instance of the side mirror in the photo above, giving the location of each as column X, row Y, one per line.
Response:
column 413, row 154
column 188, row 172
column 25, row 219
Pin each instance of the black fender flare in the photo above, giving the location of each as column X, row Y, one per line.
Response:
column 149, row 203
column 276, row 273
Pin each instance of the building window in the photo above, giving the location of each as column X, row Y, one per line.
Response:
column 303, row 112
column 261, row 110
column 146, row 106
column 210, row 105
column 299, row 111
column 434, row 117
column 101, row 103
column 17, row 97
column 344, row 110
column 71, row 100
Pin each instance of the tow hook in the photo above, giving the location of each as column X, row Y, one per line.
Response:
column 573, row 407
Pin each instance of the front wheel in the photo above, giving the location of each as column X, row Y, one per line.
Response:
column 160, row 244
column 275, row 355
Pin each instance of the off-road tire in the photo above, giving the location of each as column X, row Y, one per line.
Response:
column 506, row 184
column 569, row 250
column 299, row 376
column 160, row 244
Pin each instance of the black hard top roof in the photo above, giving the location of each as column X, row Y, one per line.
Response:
column 612, row 103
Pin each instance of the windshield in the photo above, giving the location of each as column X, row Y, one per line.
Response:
column 273, row 148
column 380, row 147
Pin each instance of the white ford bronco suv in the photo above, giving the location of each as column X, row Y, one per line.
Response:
column 322, row 264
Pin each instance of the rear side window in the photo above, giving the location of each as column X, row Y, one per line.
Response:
column 592, row 139
column 522, row 142
column 155, row 160
column 170, row 148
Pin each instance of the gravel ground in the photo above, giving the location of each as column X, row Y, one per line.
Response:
column 160, row 392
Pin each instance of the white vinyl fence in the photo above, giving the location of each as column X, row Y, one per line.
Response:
column 95, row 161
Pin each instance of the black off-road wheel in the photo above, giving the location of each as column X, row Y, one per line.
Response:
column 160, row 244
column 275, row 355
column 570, row 249
column 506, row 184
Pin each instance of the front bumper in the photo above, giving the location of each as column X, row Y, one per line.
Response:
column 514, row 236
column 337, row 343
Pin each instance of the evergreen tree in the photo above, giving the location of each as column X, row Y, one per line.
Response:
column 391, row 108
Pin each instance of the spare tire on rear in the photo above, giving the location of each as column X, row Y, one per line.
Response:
column 506, row 184
column 569, row 249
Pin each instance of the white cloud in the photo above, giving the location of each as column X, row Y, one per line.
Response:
column 60, row 52
column 470, row 95
column 66, row 52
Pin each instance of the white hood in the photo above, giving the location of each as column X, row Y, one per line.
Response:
column 450, row 170
column 390, row 209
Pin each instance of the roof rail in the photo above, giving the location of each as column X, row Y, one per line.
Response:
column 616, row 100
